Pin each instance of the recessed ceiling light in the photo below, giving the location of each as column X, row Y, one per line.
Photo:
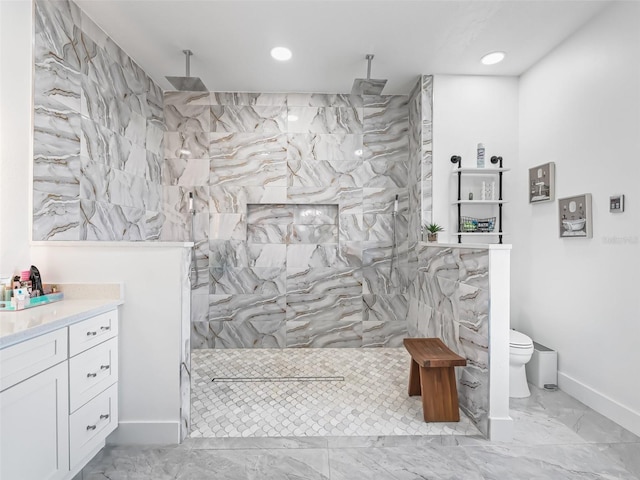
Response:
column 281, row 53
column 492, row 58
column 292, row 118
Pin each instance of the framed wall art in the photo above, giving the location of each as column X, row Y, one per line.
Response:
column 542, row 181
column 575, row 216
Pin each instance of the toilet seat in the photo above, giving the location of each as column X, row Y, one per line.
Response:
column 519, row 340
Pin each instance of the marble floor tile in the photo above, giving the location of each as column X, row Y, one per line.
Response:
column 402, row 463
column 557, row 462
column 556, row 437
column 308, row 393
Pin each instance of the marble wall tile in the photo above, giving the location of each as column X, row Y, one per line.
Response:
column 332, row 281
column 323, row 334
column 55, row 217
column 56, row 82
column 186, row 145
column 265, row 233
column 325, row 120
column 319, row 173
column 385, row 308
column 187, row 118
column 199, row 307
column 101, row 145
column 248, row 99
column 233, row 199
column 348, row 199
column 385, row 172
column 316, row 214
column 248, row 307
column 251, row 280
column 56, row 132
column 250, row 119
column 380, row 227
column 238, row 253
column 186, row 172
column 76, row 74
column 248, row 334
column 181, row 99
column 312, row 234
column 154, row 141
column 382, row 279
column 382, row 200
column 57, row 176
column 258, row 214
column 383, row 334
column 324, row 308
column 323, row 100
column 102, row 183
column 229, row 253
column 105, row 221
column 57, row 35
column 248, row 160
column 351, row 227
column 302, row 256
column 227, row 226
column 336, row 146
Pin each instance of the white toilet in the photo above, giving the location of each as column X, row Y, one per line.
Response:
column 520, row 351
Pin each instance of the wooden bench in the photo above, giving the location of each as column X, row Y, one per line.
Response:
column 432, row 376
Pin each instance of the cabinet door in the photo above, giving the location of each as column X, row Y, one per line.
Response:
column 34, row 427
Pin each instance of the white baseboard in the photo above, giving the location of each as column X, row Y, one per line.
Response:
column 500, row 429
column 601, row 403
column 145, row 433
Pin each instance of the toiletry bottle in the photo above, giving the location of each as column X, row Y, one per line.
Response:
column 480, row 155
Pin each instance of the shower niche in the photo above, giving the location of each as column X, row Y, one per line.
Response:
column 292, row 223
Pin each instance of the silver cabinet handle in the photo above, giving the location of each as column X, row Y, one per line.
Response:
column 105, row 416
column 108, row 327
column 105, row 367
column 91, row 334
column 89, row 375
column 91, row 427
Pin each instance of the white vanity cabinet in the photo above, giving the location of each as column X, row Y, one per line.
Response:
column 93, row 390
column 34, row 413
column 58, row 399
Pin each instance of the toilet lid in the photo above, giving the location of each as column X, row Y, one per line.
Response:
column 518, row 339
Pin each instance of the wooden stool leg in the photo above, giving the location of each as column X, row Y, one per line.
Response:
column 414, row 379
column 439, row 394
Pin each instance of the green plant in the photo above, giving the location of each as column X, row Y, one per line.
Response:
column 432, row 228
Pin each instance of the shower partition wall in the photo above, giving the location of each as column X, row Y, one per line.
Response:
column 294, row 195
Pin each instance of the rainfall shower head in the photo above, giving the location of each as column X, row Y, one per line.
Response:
column 187, row 83
column 368, row 86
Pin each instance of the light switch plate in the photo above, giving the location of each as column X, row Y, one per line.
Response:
column 616, row 203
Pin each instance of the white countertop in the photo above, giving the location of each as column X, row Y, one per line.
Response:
column 17, row 326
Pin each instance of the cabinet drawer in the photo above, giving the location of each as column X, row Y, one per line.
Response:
column 91, row 332
column 91, row 372
column 90, row 425
column 25, row 359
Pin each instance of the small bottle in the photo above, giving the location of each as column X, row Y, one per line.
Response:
column 480, row 155
column 470, row 195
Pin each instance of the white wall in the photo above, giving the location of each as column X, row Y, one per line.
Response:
column 580, row 108
column 150, row 327
column 15, row 133
column 468, row 110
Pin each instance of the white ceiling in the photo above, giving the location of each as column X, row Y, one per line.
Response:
column 231, row 39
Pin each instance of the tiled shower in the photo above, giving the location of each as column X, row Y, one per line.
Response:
column 294, row 196
column 293, row 193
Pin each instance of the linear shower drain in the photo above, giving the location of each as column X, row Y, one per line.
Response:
column 278, row 379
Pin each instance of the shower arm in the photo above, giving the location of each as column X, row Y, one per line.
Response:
column 369, row 57
column 187, row 54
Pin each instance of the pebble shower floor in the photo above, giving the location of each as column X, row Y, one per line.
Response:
column 308, row 392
